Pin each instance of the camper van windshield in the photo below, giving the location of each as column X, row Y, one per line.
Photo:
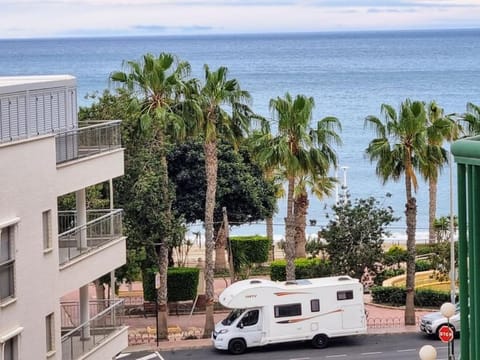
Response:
column 232, row 316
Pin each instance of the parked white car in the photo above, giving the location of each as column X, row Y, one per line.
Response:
column 431, row 323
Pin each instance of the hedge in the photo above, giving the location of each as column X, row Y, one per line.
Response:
column 182, row 284
column 304, row 269
column 249, row 250
column 393, row 295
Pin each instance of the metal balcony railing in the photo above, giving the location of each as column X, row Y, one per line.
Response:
column 87, row 141
column 80, row 240
column 105, row 321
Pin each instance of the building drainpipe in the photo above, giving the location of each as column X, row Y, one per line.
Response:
column 82, row 245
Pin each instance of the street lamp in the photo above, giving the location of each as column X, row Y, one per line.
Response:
column 448, row 310
column 344, row 168
column 427, row 352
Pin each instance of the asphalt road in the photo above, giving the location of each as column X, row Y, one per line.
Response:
column 366, row 347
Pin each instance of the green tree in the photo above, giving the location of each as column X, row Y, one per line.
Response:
column 398, row 148
column 354, row 236
column 157, row 86
column 471, row 120
column 220, row 108
column 297, row 151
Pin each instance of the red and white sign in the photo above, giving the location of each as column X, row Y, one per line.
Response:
column 445, row 334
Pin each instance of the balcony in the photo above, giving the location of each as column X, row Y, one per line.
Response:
column 88, row 141
column 102, row 227
column 91, row 339
column 89, row 251
column 88, row 155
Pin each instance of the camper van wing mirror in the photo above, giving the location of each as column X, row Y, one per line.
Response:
column 240, row 324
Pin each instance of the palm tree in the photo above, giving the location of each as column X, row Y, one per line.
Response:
column 211, row 122
column 471, row 119
column 399, row 147
column 296, row 151
column 439, row 129
column 158, row 83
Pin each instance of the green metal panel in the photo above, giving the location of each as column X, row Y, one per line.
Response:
column 463, row 260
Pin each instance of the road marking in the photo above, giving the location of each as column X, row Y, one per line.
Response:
column 122, row 356
column 304, row 358
column 405, row 350
column 159, row 356
column 148, row 357
column 372, row 353
column 336, row 356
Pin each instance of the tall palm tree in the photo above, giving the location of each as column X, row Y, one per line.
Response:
column 471, row 120
column 212, row 120
column 399, row 147
column 297, row 150
column 158, row 83
column 439, row 129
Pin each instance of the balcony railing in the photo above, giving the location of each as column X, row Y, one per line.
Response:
column 87, row 141
column 95, row 233
column 78, row 340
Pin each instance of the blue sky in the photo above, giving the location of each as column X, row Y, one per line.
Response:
column 60, row 18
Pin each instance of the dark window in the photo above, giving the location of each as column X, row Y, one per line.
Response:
column 7, row 263
column 345, row 295
column 288, row 310
column 314, row 305
column 250, row 318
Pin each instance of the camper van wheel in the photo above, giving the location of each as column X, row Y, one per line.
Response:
column 237, row 346
column 320, row 341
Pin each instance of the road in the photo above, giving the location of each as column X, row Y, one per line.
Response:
column 367, row 347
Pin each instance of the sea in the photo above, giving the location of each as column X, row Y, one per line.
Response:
column 349, row 74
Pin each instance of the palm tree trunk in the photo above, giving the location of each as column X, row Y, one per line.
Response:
column 220, row 254
column 269, row 222
column 211, row 165
column 162, row 292
column 432, row 208
column 411, row 222
column 290, row 232
column 301, row 206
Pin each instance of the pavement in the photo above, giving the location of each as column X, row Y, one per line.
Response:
column 185, row 331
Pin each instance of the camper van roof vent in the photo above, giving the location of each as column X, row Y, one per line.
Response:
column 290, row 282
column 343, row 278
column 255, row 281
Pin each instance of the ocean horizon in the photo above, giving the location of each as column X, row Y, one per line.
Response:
column 349, row 74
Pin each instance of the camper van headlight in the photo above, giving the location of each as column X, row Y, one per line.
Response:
column 222, row 331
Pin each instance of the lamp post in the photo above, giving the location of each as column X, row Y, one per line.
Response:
column 427, row 352
column 448, row 310
column 344, row 186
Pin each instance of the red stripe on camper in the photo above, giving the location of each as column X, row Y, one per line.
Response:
column 284, row 293
column 292, row 321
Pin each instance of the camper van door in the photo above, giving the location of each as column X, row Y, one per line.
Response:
column 250, row 326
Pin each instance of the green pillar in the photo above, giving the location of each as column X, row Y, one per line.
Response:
column 463, row 260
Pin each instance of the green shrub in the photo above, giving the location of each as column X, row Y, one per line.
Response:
column 423, row 265
column 247, row 251
column 392, row 295
column 182, row 283
column 148, row 280
column 304, row 269
column 387, row 274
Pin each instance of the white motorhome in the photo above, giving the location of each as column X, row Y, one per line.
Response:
column 267, row 312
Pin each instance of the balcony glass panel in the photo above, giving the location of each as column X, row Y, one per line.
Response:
column 75, row 241
column 106, row 318
column 87, row 141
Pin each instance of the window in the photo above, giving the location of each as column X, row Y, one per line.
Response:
column 47, row 229
column 7, row 262
column 10, row 349
column 288, row 310
column 314, row 305
column 345, row 295
column 250, row 318
column 50, row 332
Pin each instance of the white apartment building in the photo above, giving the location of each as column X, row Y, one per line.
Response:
column 45, row 154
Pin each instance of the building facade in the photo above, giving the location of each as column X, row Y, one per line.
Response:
column 47, row 255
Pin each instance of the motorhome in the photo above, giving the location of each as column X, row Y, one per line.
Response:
column 267, row 312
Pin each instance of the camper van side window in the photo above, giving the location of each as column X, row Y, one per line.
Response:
column 345, row 295
column 288, row 310
column 314, row 305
